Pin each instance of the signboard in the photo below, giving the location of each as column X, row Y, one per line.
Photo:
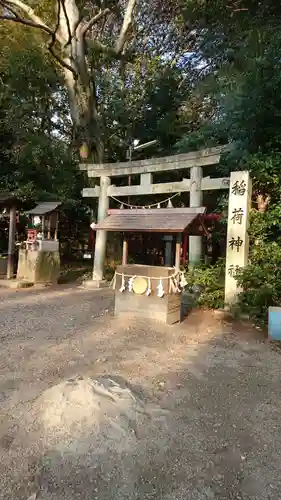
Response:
column 31, row 235
column 237, row 244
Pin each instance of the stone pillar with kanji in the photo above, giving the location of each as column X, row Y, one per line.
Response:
column 237, row 251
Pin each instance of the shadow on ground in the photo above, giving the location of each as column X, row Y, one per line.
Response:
column 217, row 381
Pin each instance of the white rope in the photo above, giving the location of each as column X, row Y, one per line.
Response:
column 174, row 275
column 175, row 285
column 145, row 206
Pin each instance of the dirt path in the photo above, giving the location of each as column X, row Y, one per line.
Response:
column 222, row 389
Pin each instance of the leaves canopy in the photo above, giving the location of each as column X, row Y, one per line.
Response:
column 34, row 122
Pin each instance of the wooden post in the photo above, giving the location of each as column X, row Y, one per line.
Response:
column 11, row 243
column 49, row 228
column 125, row 251
column 57, row 226
column 43, row 226
column 129, row 183
column 184, row 250
column 178, row 252
column 168, row 250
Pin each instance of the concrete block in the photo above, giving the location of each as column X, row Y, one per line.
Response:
column 35, row 266
column 274, row 323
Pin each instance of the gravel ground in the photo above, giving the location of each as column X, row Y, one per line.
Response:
column 218, row 381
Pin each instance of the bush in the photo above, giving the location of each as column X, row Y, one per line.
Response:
column 210, row 280
column 261, row 281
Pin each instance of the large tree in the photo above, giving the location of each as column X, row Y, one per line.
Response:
column 86, row 37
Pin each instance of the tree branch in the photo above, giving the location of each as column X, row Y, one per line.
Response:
column 53, row 41
column 61, row 61
column 35, row 21
column 9, row 9
column 26, row 22
column 50, row 47
column 95, row 19
column 127, row 22
column 70, row 35
column 110, row 52
column 54, row 32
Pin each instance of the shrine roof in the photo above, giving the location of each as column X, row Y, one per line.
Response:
column 8, row 199
column 44, row 208
column 155, row 220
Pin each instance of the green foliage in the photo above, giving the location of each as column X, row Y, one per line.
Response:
column 109, row 272
column 210, row 280
column 36, row 158
column 207, row 136
column 265, row 171
column 35, row 155
column 261, row 281
column 143, row 103
column 265, row 227
column 241, row 52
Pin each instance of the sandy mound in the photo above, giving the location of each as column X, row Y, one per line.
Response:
column 92, row 437
column 79, row 407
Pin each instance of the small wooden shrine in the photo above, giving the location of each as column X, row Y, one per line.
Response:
column 44, row 222
column 39, row 258
column 152, row 291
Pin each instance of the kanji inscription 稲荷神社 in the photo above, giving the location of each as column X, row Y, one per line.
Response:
column 237, row 234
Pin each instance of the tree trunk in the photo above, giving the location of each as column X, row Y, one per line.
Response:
column 69, row 34
column 80, row 85
column 84, row 114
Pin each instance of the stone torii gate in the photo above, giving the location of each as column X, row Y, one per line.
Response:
column 195, row 184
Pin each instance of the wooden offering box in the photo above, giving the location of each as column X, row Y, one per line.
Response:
column 166, row 309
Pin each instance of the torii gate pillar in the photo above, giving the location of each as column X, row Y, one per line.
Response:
column 101, row 237
column 196, row 200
